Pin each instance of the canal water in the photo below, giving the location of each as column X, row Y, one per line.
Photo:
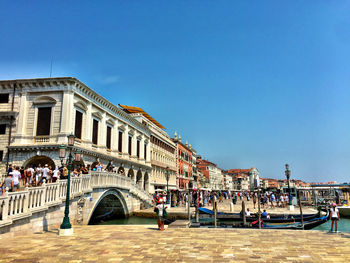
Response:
column 343, row 225
column 131, row 220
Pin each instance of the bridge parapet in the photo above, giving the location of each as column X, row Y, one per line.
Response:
column 22, row 204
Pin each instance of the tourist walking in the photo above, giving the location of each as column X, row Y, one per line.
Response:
column 282, row 200
column 23, row 177
column 29, row 172
column 334, row 217
column 8, row 183
column 16, row 175
column 160, row 209
column 56, row 174
column 254, row 199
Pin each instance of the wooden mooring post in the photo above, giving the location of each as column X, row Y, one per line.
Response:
column 301, row 209
column 259, row 211
column 243, row 214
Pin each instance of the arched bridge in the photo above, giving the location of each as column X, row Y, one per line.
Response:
column 91, row 196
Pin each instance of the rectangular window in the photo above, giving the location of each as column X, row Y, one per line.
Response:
column 78, row 124
column 130, row 145
column 95, row 132
column 120, row 141
column 138, row 149
column 145, row 152
column 2, row 128
column 44, row 121
column 1, row 155
column 108, row 139
column 4, row 98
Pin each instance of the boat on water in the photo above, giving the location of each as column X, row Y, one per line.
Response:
column 309, row 224
column 344, row 210
column 274, row 218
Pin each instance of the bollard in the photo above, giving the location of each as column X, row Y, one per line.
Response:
column 243, row 214
column 232, row 207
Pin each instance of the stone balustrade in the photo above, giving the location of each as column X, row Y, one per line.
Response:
column 22, row 204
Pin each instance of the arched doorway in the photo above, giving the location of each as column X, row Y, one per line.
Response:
column 146, row 182
column 121, row 170
column 39, row 159
column 111, row 205
column 131, row 174
column 139, row 178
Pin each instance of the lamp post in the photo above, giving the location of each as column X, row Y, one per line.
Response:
column 287, row 173
column 167, row 185
column 66, row 227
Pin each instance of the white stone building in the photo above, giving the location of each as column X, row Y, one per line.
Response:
column 163, row 156
column 46, row 111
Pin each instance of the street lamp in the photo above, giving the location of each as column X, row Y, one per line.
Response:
column 167, row 185
column 66, row 227
column 287, row 173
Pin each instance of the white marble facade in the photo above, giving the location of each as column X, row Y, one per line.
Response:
column 66, row 97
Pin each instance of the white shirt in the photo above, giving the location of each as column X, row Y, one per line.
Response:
column 45, row 172
column 31, row 171
column 247, row 213
column 15, row 176
column 281, row 198
column 160, row 209
column 334, row 212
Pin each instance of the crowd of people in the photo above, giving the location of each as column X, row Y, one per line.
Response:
column 35, row 175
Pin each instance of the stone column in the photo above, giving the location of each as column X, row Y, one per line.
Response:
column 142, row 148
column 102, row 132
column 148, row 157
column 66, row 115
column 22, row 117
column 87, row 125
column 114, row 137
column 125, row 140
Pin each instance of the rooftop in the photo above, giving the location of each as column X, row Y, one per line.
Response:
column 131, row 109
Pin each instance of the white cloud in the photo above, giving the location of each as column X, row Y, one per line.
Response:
column 110, row 79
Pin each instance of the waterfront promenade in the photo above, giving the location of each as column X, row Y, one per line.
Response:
column 112, row 243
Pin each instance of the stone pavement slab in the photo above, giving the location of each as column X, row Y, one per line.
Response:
column 117, row 243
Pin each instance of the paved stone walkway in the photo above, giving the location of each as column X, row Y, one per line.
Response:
column 146, row 244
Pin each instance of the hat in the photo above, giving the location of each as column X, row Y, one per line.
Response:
column 333, row 204
column 46, row 165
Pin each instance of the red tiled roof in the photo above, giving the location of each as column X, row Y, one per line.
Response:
column 131, row 109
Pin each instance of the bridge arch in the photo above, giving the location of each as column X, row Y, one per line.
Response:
column 111, row 203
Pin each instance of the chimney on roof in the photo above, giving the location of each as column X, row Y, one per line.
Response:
column 187, row 143
column 175, row 135
column 190, row 146
column 179, row 137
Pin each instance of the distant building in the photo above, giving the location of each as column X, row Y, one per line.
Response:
column 212, row 173
column 184, row 164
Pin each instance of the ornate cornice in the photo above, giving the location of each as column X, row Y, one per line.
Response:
column 75, row 85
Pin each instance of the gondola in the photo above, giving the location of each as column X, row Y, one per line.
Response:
column 274, row 218
column 310, row 224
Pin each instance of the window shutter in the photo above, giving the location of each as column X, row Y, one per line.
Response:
column 44, row 121
column 95, row 132
column 78, row 124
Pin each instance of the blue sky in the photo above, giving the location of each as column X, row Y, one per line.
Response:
column 247, row 83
